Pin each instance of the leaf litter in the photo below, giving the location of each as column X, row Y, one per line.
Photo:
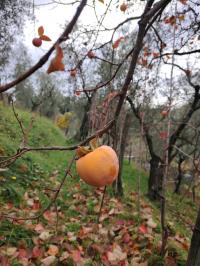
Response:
column 69, row 234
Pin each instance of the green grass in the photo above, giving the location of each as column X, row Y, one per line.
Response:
column 33, row 168
column 12, row 234
column 177, row 205
column 133, row 178
column 33, row 172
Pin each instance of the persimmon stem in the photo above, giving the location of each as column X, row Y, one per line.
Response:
column 99, row 215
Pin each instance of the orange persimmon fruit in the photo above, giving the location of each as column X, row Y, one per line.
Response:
column 99, row 167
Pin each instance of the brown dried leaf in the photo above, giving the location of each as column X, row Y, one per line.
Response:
column 40, row 31
column 45, row 38
column 82, row 150
column 48, row 261
column 94, row 143
column 56, row 63
column 116, row 256
column 53, row 250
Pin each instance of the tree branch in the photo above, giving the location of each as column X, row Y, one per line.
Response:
column 45, row 57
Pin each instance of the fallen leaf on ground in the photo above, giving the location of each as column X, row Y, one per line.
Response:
column 116, row 255
column 48, row 261
column 53, row 250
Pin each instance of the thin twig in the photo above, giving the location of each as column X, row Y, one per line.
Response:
column 99, row 215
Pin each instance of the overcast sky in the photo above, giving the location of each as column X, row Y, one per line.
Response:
column 54, row 16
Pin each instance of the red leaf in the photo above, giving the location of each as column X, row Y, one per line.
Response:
column 22, row 253
column 146, row 54
column 143, row 229
column 76, row 255
column 163, row 135
column 188, row 72
column 170, row 20
column 91, row 54
column 73, row 72
column 166, row 20
column 163, row 45
column 36, row 205
column 49, row 215
column 40, row 31
column 144, row 62
column 45, row 38
column 165, row 113
column 39, row 228
column 37, row 252
column 117, row 42
column 126, row 238
column 4, row 261
column 155, row 54
column 56, row 63
column 184, row 2
column 9, row 206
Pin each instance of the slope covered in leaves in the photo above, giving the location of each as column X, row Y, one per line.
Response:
column 67, row 233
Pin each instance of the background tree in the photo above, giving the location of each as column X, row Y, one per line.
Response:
column 12, row 19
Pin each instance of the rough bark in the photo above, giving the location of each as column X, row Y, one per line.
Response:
column 179, row 176
column 123, row 141
column 156, row 175
column 194, row 251
column 155, row 178
column 84, row 129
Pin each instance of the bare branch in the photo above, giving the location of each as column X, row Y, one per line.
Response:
column 45, row 57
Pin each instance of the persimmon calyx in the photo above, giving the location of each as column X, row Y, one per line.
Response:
column 83, row 150
column 94, row 143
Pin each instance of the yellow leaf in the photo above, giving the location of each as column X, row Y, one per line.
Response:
column 102, row 1
column 181, row 17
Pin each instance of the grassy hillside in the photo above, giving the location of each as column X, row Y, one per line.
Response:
column 27, row 187
column 33, row 166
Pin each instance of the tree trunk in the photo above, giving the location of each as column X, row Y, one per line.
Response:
column 194, row 252
column 179, row 176
column 1, row 97
column 84, row 129
column 123, row 140
column 155, row 178
column 130, row 154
